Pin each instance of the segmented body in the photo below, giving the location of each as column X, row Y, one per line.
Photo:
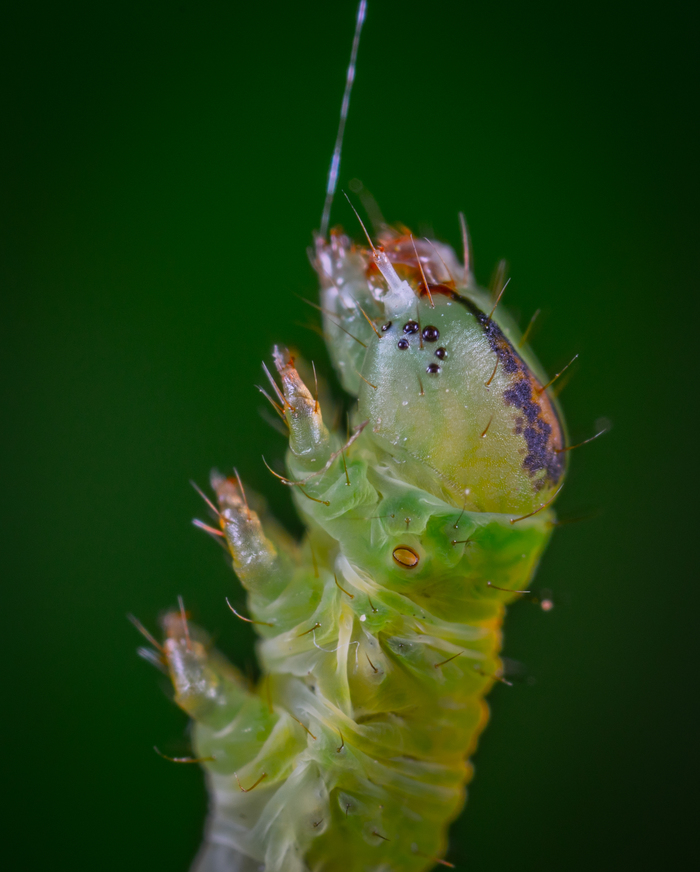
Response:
column 380, row 632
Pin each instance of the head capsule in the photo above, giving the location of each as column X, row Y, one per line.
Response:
column 454, row 405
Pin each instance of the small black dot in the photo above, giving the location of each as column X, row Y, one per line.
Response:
column 386, row 326
column 433, row 368
column 441, row 353
column 411, row 327
column 431, row 334
column 402, row 344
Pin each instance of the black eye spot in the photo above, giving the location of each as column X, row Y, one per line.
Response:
column 441, row 353
column 402, row 344
column 433, row 368
column 386, row 326
column 431, row 334
column 411, row 327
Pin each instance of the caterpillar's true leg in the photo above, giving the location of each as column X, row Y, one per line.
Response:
column 206, row 686
column 262, row 569
column 309, row 442
column 236, row 735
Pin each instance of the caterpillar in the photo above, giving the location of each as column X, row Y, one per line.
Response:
column 379, row 632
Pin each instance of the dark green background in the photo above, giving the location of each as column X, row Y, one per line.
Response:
column 162, row 170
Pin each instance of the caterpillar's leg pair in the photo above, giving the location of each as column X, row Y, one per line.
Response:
column 262, row 562
column 262, row 566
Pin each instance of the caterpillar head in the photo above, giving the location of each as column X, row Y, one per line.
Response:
column 452, row 402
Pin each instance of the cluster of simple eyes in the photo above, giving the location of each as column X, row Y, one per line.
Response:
column 429, row 334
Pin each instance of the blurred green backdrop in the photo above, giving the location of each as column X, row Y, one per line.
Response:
column 163, row 167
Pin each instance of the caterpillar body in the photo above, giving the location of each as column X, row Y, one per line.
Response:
column 380, row 631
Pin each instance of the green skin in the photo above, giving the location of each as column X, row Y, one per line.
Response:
column 352, row 752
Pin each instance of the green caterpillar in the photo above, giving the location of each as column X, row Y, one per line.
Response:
column 380, row 631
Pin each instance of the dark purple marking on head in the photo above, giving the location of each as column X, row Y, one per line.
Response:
column 532, row 423
column 536, row 432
